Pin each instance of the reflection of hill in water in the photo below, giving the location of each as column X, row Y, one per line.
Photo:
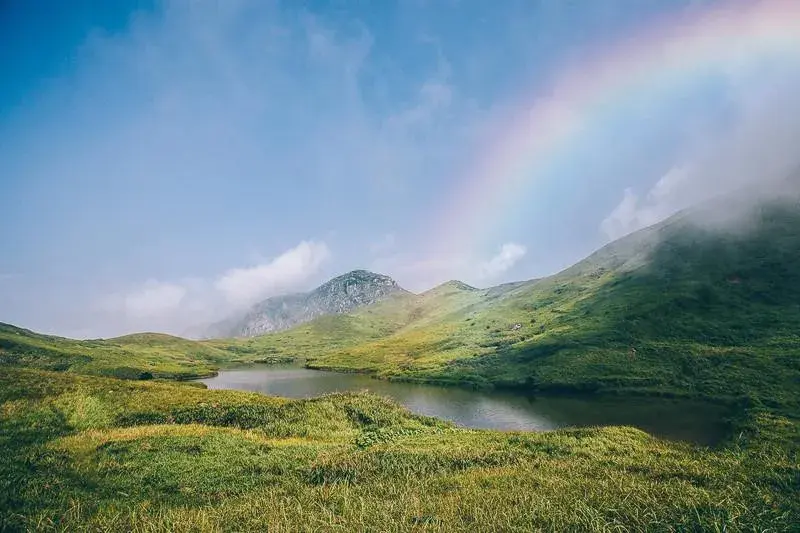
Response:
column 488, row 410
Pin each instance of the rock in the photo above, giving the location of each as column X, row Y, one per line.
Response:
column 340, row 295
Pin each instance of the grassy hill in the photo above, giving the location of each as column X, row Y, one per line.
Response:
column 675, row 309
column 140, row 356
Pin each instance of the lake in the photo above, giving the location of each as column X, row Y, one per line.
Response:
column 671, row 419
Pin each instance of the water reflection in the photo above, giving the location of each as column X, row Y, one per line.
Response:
column 700, row 423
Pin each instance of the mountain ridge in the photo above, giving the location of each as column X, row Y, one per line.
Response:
column 676, row 308
column 676, row 295
column 341, row 294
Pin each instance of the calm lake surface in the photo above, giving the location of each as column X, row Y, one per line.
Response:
column 676, row 420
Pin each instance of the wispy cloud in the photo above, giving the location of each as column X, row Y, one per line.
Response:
column 421, row 272
column 244, row 286
column 435, row 95
column 154, row 299
column 509, row 254
column 758, row 148
column 183, row 306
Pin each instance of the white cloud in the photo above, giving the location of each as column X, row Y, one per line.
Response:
column 244, row 286
column 759, row 148
column 624, row 218
column 506, row 258
column 154, row 299
column 420, row 273
column 669, row 195
column 182, row 307
column 434, row 96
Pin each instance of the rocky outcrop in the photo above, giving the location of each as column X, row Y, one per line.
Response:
column 339, row 295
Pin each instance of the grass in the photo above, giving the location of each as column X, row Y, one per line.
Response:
column 91, row 453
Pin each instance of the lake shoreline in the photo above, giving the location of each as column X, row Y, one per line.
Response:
column 505, row 409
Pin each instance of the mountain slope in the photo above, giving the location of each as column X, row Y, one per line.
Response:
column 342, row 294
column 402, row 311
column 673, row 309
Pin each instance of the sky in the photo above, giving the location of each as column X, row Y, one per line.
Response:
column 166, row 164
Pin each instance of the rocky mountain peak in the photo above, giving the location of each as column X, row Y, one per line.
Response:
column 341, row 294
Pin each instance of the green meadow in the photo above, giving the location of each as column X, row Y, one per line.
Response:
column 93, row 453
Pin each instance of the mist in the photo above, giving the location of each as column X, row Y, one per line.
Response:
column 752, row 161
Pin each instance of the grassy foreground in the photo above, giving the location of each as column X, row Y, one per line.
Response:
column 92, row 453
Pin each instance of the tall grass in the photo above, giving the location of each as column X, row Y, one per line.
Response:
column 89, row 453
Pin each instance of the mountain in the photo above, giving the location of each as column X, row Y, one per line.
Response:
column 377, row 326
column 702, row 304
column 340, row 295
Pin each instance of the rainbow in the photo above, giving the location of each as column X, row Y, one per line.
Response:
column 733, row 35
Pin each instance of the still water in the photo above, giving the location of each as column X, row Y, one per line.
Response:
column 677, row 420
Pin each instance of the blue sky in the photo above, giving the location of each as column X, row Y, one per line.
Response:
column 165, row 164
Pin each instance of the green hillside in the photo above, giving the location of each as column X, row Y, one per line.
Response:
column 674, row 309
column 140, row 356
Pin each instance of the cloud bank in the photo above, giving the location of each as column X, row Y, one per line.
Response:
column 755, row 152
column 245, row 286
column 183, row 307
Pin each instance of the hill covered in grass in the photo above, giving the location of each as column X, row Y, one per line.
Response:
column 678, row 309
column 139, row 356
